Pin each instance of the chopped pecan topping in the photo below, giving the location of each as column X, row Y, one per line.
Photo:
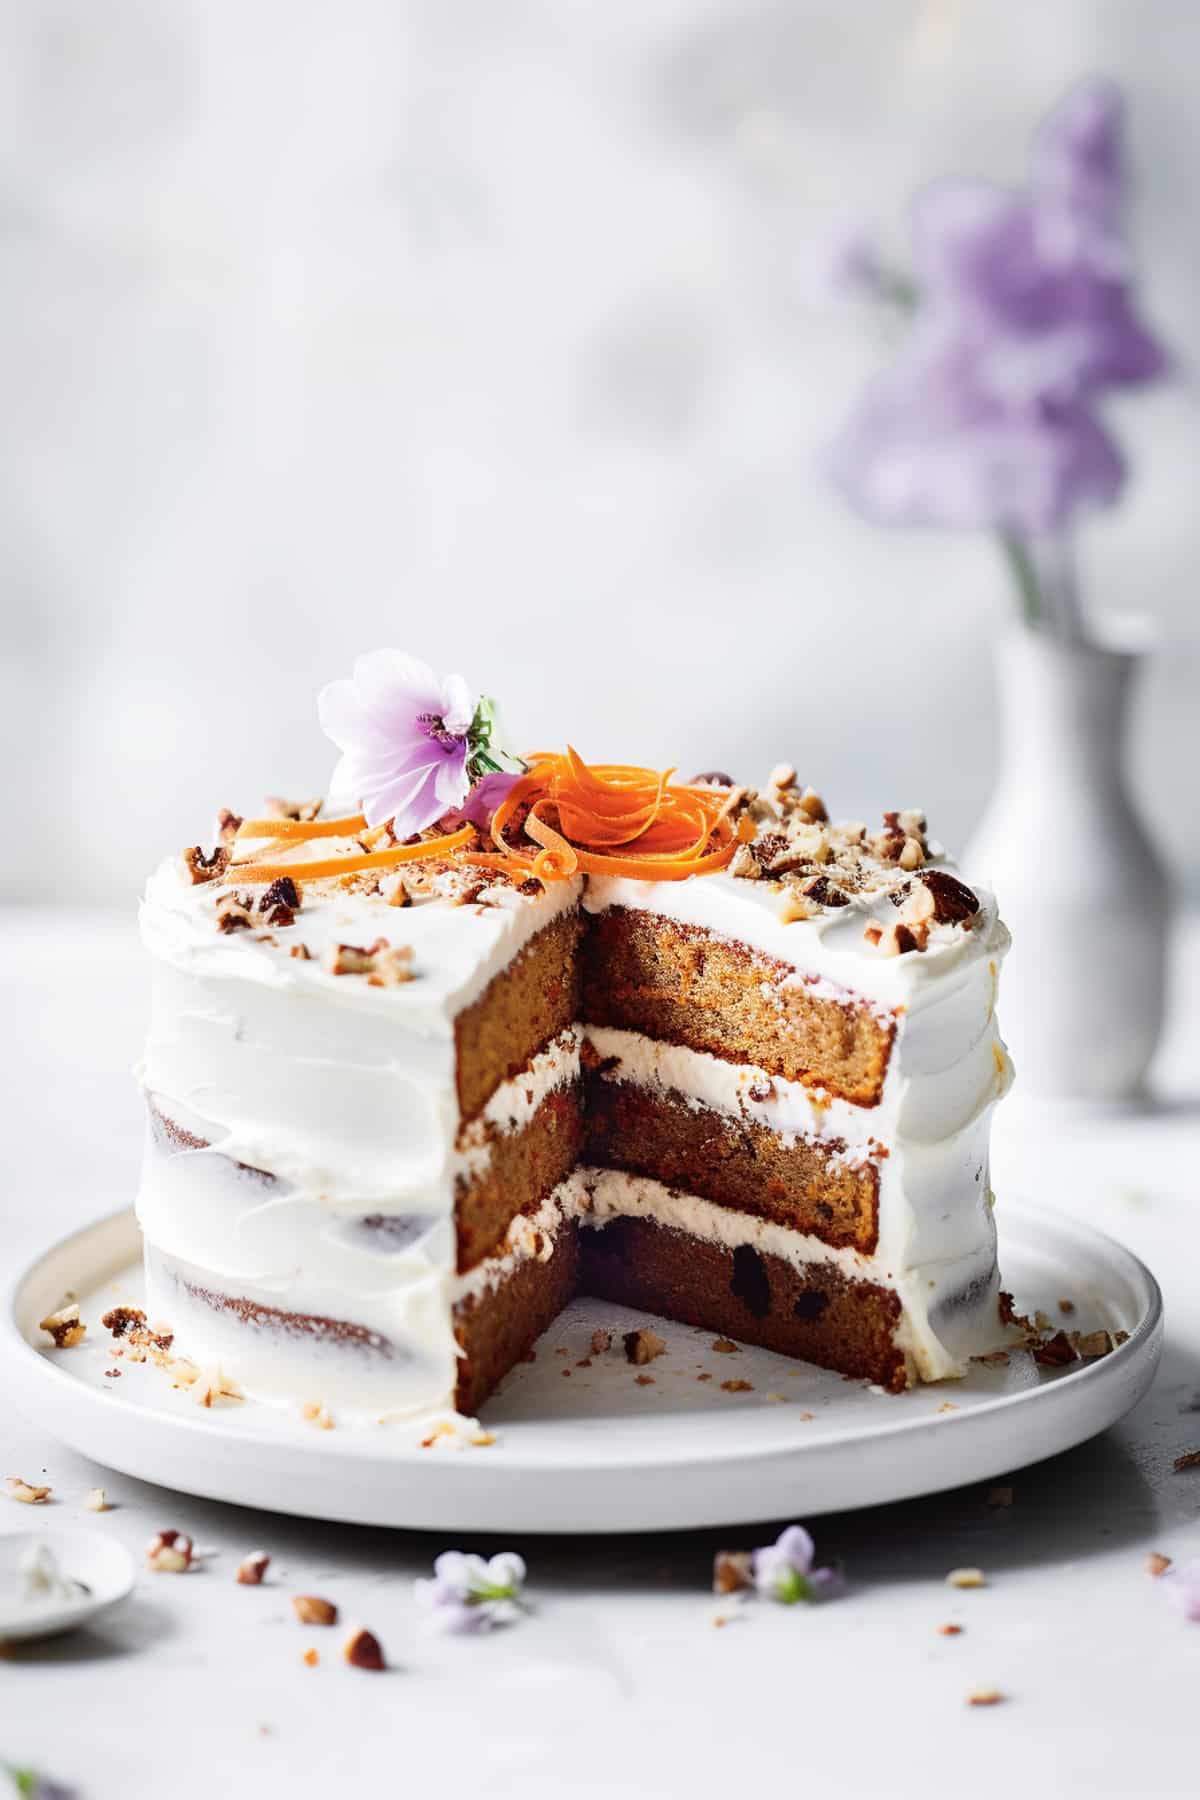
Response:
column 794, row 907
column 279, row 903
column 236, row 913
column 954, row 902
column 252, row 1568
column 823, row 891
column 744, row 863
column 205, row 868
column 301, row 952
column 228, row 826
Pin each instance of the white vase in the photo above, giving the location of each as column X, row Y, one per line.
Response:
column 1079, row 883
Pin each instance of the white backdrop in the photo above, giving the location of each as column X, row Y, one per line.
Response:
column 482, row 327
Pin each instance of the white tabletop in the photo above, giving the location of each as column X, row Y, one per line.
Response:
column 618, row 1681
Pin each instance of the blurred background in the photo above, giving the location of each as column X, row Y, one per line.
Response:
column 494, row 330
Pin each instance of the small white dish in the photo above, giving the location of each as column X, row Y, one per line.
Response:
column 601, row 1451
column 102, row 1568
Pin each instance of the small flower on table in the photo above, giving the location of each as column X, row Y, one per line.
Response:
column 472, row 1593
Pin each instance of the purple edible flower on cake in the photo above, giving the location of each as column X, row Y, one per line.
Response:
column 1182, row 1588
column 471, row 1593
column 783, row 1571
column 404, row 739
column 486, row 796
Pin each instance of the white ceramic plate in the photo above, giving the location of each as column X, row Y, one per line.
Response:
column 595, row 1450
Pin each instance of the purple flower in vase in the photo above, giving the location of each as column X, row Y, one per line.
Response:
column 929, row 445
column 1024, row 317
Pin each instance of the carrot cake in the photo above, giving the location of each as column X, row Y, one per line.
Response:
column 478, row 1033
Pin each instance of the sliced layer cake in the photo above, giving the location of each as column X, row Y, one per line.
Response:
column 733, row 1065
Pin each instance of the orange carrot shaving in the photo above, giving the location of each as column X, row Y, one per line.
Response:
column 301, row 828
column 352, row 865
column 586, row 817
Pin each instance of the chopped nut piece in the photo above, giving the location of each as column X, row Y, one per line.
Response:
column 315, row 1412
column 1000, row 1496
column 228, row 826
column 1092, row 1343
column 205, row 868
column 643, row 1346
column 737, row 1387
column 252, row 1568
column 966, row 1578
column 794, row 907
column 391, row 967
column 731, row 1571
column 984, row 1697
column 745, row 864
column 782, row 776
column 362, row 1650
column 724, row 1346
column 398, row 895
column 1189, row 1460
column 301, row 952
column 95, row 1501
column 348, row 959
column 26, row 1492
column 310, row 1609
column 824, row 892
column 601, row 1341
column 1156, row 1563
column 170, row 1553
column 954, row 902
column 236, row 913
column 311, row 1658
column 211, row 1386
column 302, row 811
column 1055, row 1353
column 64, row 1326
column 120, row 1320
column 1066, row 1306
column 279, row 903
column 911, row 855
column 639, row 1380
column 950, row 1630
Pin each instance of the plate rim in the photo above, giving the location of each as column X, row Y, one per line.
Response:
column 328, row 1449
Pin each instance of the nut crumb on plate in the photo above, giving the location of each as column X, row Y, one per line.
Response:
column 737, row 1387
column 643, row 1345
column 95, row 1501
column 966, row 1578
column 252, row 1568
column 64, row 1326
column 724, row 1346
column 1156, row 1563
column 984, row 1697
